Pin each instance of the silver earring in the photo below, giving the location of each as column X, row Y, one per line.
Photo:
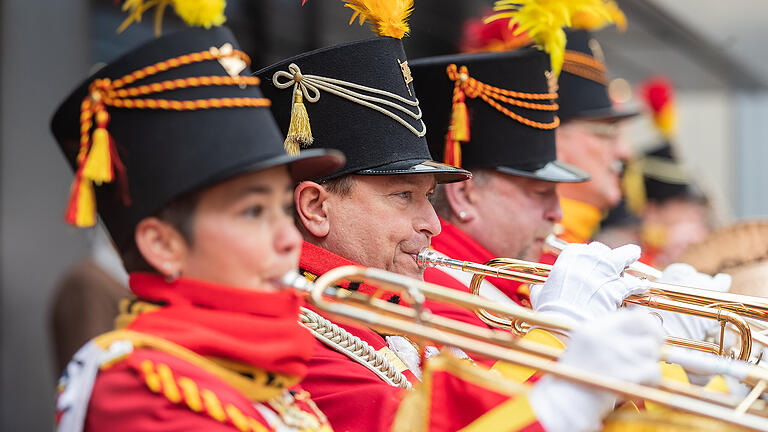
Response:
column 171, row 277
column 463, row 215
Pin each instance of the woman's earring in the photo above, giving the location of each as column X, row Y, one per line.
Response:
column 171, row 274
column 462, row 215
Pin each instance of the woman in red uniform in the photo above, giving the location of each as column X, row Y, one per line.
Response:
column 175, row 147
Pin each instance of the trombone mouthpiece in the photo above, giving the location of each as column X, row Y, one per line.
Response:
column 296, row 281
column 427, row 258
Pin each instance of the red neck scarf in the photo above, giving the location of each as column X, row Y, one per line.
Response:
column 456, row 244
column 255, row 328
column 317, row 261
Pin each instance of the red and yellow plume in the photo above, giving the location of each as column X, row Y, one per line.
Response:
column 659, row 96
column 544, row 21
column 388, row 17
column 492, row 37
column 195, row 13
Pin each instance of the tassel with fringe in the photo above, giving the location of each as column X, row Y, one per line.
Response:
column 458, row 130
column 299, row 131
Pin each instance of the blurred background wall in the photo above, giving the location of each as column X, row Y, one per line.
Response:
column 711, row 50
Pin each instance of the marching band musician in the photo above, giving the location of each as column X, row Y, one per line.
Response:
column 360, row 98
column 175, row 147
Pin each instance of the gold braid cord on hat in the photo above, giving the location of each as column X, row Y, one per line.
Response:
column 98, row 161
column 466, row 86
column 308, row 87
column 585, row 66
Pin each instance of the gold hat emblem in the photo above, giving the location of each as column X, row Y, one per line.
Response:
column 597, row 50
column 231, row 63
column 406, row 70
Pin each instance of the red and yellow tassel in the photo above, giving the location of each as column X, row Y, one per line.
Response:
column 81, row 210
column 458, row 130
column 98, row 164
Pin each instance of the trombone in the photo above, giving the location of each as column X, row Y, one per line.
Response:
column 723, row 307
column 418, row 322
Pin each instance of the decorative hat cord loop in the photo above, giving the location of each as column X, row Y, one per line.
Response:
column 98, row 160
column 309, row 87
column 466, row 86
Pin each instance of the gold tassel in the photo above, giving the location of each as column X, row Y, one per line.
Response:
column 81, row 211
column 459, row 128
column 98, row 165
column 299, row 131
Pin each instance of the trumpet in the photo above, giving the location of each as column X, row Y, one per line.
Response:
column 660, row 296
column 419, row 323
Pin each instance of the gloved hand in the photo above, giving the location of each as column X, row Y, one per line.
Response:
column 586, row 282
column 623, row 345
column 687, row 326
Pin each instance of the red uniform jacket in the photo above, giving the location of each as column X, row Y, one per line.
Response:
column 355, row 399
column 211, row 358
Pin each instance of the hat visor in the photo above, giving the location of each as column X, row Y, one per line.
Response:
column 555, row 171
column 443, row 173
column 606, row 114
column 308, row 165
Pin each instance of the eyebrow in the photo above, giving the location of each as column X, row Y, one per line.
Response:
column 262, row 190
column 410, row 181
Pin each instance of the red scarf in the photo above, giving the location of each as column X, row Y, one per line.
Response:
column 317, row 261
column 256, row 328
column 456, row 244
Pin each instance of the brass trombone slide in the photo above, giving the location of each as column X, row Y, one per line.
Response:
column 659, row 296
column 419, row 323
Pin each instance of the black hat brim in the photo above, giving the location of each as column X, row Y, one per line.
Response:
column 555, row 171
column 308, row 165
column 443, row 173
column 604, row 114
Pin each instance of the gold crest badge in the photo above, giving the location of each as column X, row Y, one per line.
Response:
column 406, row 70
column 597, row 50
column 232, row 64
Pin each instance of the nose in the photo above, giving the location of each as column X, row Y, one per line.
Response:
column 287, row 238
column 552, row 212
column 621, row 148
column 426, row 221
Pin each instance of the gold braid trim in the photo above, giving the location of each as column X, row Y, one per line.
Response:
column 585, row 66
column 160, row 379
column 263, row 386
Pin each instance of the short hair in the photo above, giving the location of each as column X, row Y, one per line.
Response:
column 340, row 185
column 180, row 214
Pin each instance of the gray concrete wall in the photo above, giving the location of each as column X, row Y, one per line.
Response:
column 44, row 54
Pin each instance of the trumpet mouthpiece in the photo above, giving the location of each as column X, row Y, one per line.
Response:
column 427, row 258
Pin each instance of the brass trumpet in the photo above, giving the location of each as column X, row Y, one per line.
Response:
column 420, row 323
column 723, row 307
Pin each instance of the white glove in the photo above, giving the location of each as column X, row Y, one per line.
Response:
column 623, row 345
column 586, row 282
column 687, row 326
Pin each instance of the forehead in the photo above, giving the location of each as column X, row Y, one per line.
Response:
column 269, row 181
column 412, row 180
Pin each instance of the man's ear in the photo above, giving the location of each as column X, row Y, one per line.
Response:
column 162, row 246
column 312, row 207
column 461, row 198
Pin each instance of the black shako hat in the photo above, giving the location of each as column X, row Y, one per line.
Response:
column 583, row 84
column 180, row 113
column 665, row 178
column 510, row 112
column 359, row 99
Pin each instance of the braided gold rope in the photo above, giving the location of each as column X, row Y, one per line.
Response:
column 585, row 66
column 474, row 88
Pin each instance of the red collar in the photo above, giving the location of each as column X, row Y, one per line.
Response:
column 317, row 261
column 455, row 243
column 251, row 327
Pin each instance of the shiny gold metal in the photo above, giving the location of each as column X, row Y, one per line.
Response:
column 666, row 297
column 420, row 323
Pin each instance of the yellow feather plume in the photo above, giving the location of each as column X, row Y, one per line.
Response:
column 544, row 21
column 388, row 17
column 195, row 13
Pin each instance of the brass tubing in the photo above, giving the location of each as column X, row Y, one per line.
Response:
column 666, row 296
column 421, row 329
